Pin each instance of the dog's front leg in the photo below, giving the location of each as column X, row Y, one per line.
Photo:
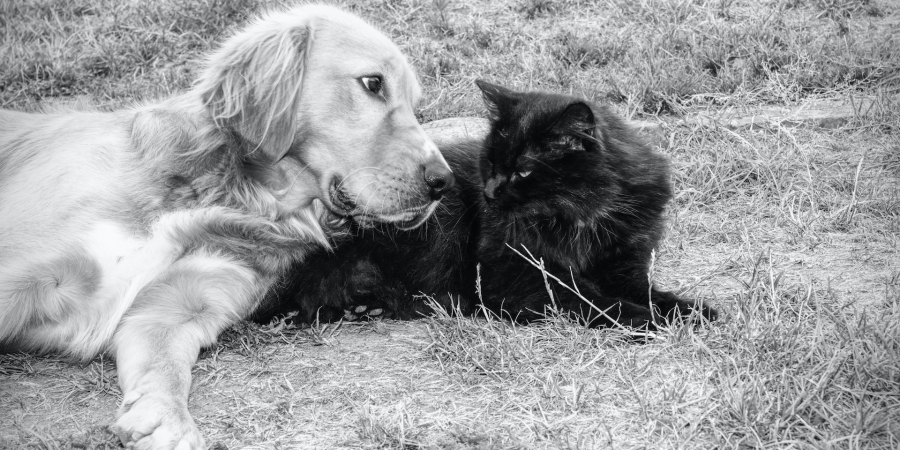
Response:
column 155, row 376
column 159, row 340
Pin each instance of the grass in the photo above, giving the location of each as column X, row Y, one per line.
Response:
column 650, row 56
column 793, row 232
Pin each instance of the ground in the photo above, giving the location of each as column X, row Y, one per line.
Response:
column 791, row 230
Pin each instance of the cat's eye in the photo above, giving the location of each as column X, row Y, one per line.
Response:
column 372, row 84
column 523, row 173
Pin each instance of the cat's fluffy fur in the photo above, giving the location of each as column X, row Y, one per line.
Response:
column 561, row 177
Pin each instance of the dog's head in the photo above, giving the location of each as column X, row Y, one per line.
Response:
column 329, row 102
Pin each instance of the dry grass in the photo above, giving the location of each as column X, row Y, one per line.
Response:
column 793, row 232
column 650, row 56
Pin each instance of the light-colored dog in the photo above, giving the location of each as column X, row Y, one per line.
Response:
column 146, row 232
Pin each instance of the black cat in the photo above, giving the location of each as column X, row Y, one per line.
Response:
column 556, row 175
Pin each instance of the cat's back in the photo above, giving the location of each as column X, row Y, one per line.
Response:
column 630, row 152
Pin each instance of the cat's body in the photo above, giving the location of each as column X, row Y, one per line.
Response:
column 563, row 178
column 385, row 267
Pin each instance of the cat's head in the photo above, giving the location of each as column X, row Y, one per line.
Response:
column 544, row 154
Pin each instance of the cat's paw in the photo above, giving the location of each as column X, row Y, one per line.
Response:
column 708, row 312
column 358, row 313
column 623, row 314
column 672, row 307
column 324, row 314
column 156, row 422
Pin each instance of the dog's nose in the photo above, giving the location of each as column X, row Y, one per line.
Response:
column 439, row 179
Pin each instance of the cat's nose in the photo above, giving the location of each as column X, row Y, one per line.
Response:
column 491, row 186
column 439, row 179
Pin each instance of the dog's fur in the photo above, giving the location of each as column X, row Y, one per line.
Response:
column 146, row 232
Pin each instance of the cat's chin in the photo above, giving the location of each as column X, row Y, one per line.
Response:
column 515, row 213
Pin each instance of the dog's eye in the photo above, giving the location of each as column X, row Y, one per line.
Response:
column 373, row 84
column 523, row 173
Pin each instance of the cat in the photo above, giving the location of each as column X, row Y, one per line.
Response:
column 561, row 177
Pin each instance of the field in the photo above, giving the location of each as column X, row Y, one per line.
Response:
column 790, row 227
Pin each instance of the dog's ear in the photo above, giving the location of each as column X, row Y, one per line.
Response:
column 494, row 96
column 252, row 85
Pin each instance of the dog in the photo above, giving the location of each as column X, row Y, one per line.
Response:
column 146, row 232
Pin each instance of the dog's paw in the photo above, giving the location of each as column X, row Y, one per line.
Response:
column 150, row 421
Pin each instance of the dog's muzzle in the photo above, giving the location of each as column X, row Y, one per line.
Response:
column 407, row 219
column 343, row 205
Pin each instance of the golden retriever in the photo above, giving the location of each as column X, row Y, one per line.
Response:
column 146, row 232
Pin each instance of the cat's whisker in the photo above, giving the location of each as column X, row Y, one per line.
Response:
column 535, row 159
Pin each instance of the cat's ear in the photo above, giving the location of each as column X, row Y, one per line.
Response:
column 574, row 126
column 493, row 95
column 577, row 118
